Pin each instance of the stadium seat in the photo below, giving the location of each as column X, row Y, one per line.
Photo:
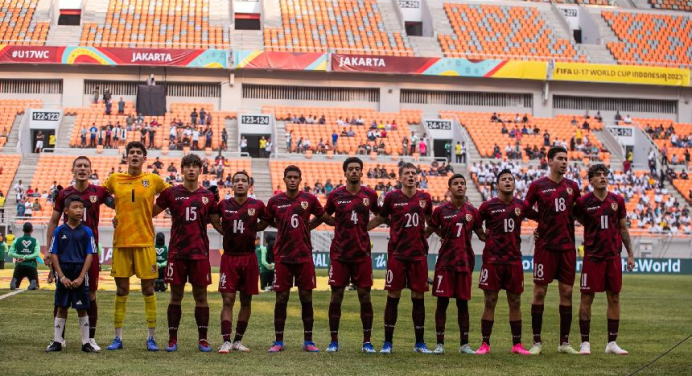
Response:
column 18, row 26
column 9, row 109
column 683, row 5
column 650, row 39
column 9, row 164
column 499, row 31
column 340, row 26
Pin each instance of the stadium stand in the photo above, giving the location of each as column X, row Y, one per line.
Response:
column 156, row 24
column 674, row 138
column 339, row 26
column 483, row 31
column 8, row 167
column 58, row 168
column 18, row 26
column 650, row 38
column 580, row 2
column 9, row 109
column 488, row 136
column 334, row 117
column 684, row 5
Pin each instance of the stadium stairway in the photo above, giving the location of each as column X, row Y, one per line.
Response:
column 62, row 35
column 232, row 130
column 390, row 17
column 25, row 173
column 271, row 10
column 220, row 13
column 247, row 39
column 280, row 139
column 426, row 46
column 616, row 156
column 13, row 137
column 95, row 12
column 261, row 173
column 65, row 132
column 675, row 193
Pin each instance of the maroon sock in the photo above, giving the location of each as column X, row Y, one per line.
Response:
column 226, row 329
column 174, row 314
column 441, row 319
column 418, row 315
column 279, row 321
column 93, row 318
column 565, row 323
column 334, row 318
column 240, row 328
column 308, row 320
column 537, row 321
column 202, row 320
column 515, row 328
column 463, row 320
column 366, row 318
column 391, row 312
column 613, row 326
column 584, row 329
column 486, row 330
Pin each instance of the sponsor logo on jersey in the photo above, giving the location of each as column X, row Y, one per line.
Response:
column 614, row 206
column 27, row 243
column 469, row 217
column 548, row 190
column 517, row 211
column 422, row 203
column 93, row 199
column 569, row 191
column 366, row 201
column 343, row 202
column 145, row 183
column 251, row 212
column 205, row 200
column 498, row 211
column 283, row 206
column 304, row 205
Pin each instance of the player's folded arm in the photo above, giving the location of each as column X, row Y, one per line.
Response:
column 375, row 222
column 215, row 221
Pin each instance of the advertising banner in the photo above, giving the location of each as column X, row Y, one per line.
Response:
column 280, row 60
column 627, row 74
column 10, row 54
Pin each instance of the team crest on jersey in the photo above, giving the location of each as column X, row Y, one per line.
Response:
column 469, row 217
column 251, row 212
column 93, row 199
column 145, row 183
column 422, row 203
column 304, row 205
column 569, row 191
column 614, row 206
column 366, row 201
column 517, row 211
column 205, row 200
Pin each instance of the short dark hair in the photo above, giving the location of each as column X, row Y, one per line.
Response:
column 74, row 163
column 241, row 172
column 504, row 172
column 455, row 176
column 350, row 160
column 554, row 150
column 191, row 160
column 600, row 167
column 405, row 166
column 135, row 145
column 73, row 198
column 292, row 168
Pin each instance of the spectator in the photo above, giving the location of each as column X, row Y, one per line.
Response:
column 130, row 121
column 289, row 141
column 262, row 146
column 96, row 94
column 618, row 117
column 202, row 117
column 3, row 251
column 243, row 144
column 628, row 119
column 335, row 139
column 109, row 106
column 39, row 142
column 195, row 139
column 25, row 250
column 413, row 144
column 19, row 190
column 121, row 106
column 194, row 116
column 268, row 148
column 423, row 147
column 37, row 205
column 92, row 132
column 208, row 137
column 224, row 140
column 266, row 262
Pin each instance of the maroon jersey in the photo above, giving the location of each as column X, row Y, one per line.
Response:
column 503, row 225
column 239, row 223
column 92, row 197
column 469, row 237
column 351, row 239
column 455, row 226
column 407, row 232
column 555, row 220
column 602, row 238
column 190, row 212
column 292, row 218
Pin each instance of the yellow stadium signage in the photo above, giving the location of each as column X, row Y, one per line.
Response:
column 628, row 74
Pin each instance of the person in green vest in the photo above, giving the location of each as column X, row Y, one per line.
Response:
column 25, row 250
column 161, row 258
column 3, row 251
column 266, row 269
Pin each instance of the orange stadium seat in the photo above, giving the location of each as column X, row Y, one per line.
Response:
column 339, row 26
column 156, row 24
column 9, row 109
column 581, row 2
column 684, row 5
column 18, row 26
column 9, row 165
column 488, row 31
column 486, row 134
column 346, row 145
column 650, row 39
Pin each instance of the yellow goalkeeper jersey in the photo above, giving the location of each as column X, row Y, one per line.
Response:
column 134, row 202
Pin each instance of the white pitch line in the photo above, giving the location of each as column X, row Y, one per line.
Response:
column 11, row 294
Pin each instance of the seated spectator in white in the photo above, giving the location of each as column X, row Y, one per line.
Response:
column 628, row 119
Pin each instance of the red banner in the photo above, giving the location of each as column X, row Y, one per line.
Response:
column 31, row 55
column 280, row 60
column 153, row 56
column 381, row 64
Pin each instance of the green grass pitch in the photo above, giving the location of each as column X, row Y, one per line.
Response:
column 655, row 316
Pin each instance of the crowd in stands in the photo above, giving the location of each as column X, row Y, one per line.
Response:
column 650, row 206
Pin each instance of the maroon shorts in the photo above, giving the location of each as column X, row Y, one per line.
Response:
column 179, row 271
column 451, row 284
column 93, row 273
column 402, row 274
column 600, row 276
column 239, row 273
column 342, row 273
column 304, row 275
column 550, row 265
column 496, row 277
